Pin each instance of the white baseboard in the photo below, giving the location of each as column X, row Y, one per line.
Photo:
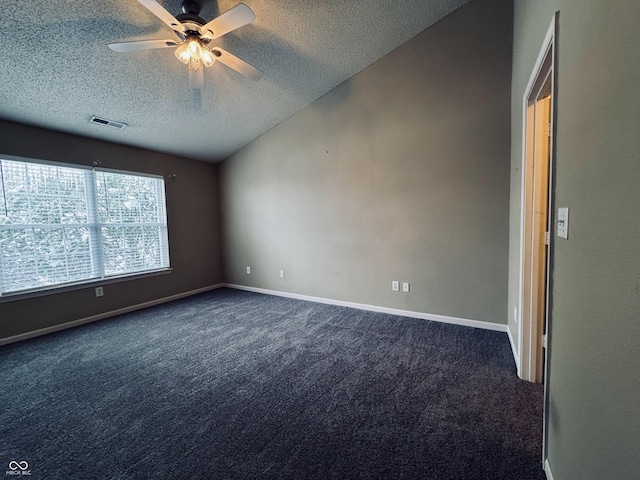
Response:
column 102, row 316
column 360, row 306
column 374, row 308
column 547, row 470
column 514, row 350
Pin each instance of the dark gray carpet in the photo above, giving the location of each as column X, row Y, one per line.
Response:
column 237, row 385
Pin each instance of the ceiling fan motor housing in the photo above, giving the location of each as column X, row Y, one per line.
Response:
column 191, row 7
column 190, row 17
column 191, row 23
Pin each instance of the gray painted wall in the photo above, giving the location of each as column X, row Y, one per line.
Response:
column 193, row 222
column 401, row 173
column 594, row 386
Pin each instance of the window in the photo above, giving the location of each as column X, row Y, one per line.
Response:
column 62, row 225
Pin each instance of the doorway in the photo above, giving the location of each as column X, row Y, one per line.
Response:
column 538, row 106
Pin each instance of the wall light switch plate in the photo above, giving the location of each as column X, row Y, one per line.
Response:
column 248, row 270
column 395, row 286
column 563, row 223
column 405, row 287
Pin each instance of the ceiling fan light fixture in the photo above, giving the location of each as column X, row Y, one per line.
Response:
column 183, row 54
column 194, row 54
column 195, row 64
column 191, row 49
column 207, row 57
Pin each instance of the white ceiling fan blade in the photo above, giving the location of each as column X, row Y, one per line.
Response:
column 237, row 17
column 160, row 12
column 235, row 63
column 142, row 45
column 196, row 78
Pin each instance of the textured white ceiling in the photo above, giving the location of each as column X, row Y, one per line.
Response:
column 56, row 70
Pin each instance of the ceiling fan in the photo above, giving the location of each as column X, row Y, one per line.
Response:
column 193, row 36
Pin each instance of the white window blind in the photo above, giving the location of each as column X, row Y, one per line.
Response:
column 62, row 225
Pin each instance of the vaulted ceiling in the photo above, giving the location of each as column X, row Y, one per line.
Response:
column 57, row 72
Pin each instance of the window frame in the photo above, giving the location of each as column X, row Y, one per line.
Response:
column 92, row 207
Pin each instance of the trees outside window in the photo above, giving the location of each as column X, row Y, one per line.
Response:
column 62, row 225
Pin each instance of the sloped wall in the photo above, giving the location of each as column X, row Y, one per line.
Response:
column 401, row 173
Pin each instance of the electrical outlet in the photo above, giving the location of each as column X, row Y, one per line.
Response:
column 99, row 291
column 248, row 270
column 395, row 286
column 281, row 273
column 405, row 287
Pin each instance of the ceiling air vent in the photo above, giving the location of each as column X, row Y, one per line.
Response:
column 107, row 123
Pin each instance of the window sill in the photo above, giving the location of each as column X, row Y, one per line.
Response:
column 55, row 289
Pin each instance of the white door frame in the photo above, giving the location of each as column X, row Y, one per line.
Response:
column 527, row 360
column 528, row 333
